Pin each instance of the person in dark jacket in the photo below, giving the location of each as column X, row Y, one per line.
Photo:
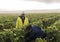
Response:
column 34, row 32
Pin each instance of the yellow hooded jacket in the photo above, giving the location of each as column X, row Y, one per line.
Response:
column 19, row 23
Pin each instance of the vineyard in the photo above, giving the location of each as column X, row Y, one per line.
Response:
column 48, row 21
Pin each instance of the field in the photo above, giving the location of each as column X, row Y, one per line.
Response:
column 48, row 21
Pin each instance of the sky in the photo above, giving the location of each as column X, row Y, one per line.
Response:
column 47, row 1
column 11, row 5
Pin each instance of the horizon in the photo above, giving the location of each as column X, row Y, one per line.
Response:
column 33, row 11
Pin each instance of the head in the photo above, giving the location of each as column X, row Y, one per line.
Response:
column 23, row 14
column 28, row 28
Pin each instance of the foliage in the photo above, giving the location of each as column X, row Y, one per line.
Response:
column 49, row 21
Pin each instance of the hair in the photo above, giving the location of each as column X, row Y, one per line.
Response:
column 28, row 28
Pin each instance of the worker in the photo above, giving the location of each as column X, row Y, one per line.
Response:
column 33, row 32
column 22, row 21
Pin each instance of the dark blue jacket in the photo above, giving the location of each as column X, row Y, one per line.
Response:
column 38, row 31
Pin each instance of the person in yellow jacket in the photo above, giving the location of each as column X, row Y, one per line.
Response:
column 22, row 21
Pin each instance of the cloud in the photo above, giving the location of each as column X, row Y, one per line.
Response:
column 48, row 1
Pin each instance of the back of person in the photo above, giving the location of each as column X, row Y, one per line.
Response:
column 40, row 33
